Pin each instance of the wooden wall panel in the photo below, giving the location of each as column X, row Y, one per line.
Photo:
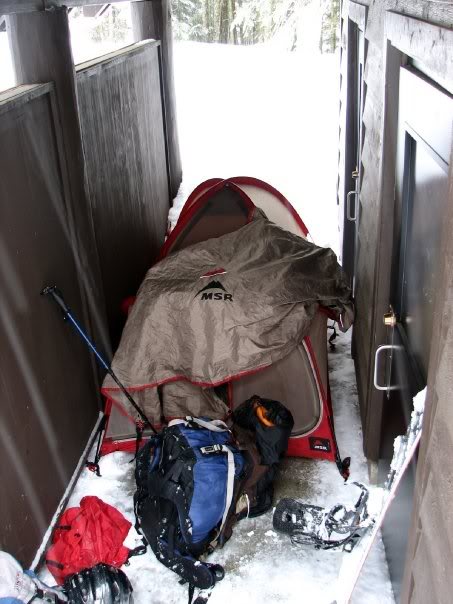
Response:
column 372, row 117
column 363, row 339
column 373, row 67
column 425, row 582
column 47, row 387
column 361, row 371
column 430, row 549
column 430, row 552
column 364, row 272
column 151, row 19
column 348, row 160
column 41, row 52
column 369, row 192
column 368, row 333
column 438, row 537
column 123, row 138
column 341, row 142
column 363, row 311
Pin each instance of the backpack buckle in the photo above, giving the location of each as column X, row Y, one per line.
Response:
column 209, row 449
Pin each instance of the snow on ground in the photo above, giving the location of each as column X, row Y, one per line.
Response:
column 261, row 112
column 7, row 78
column 262, row 565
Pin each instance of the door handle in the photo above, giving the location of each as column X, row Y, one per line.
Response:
column 348, row 206
column 379, row 349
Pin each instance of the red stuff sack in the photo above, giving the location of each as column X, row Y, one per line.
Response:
column 86, row 536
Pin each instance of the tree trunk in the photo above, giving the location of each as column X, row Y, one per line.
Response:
column 211, row 29
column 233, row 17
column 224, row 28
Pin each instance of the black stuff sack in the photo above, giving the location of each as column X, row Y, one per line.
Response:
column 268, row 424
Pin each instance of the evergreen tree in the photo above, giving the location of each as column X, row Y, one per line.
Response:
column 112, row 26
column 188, row 20
column 330, row 26
column 224, row 21
column 251, row 21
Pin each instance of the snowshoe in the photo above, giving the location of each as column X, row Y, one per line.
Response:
column 308, row 524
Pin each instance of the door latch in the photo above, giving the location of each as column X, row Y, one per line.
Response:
column 390, row 319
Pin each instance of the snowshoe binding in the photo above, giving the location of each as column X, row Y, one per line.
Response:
column 336, row 528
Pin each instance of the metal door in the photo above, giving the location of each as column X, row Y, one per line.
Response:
column 421, row 194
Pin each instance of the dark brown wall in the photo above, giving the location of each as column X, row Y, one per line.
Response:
column 120, row 110
column 54, row 191
column 151, row 19
column 41, row 52
column 377, row 182
column 430, row 550
column 430, row 553
column 47, row 387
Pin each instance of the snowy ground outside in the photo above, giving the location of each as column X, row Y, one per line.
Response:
column 259, row 111
column 7, row 79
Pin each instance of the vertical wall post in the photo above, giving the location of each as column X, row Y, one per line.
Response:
column 41, row 50
column 151, row 19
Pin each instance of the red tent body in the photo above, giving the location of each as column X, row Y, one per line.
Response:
column 300, row 380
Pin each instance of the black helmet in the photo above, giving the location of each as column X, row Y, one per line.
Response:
column 101, row 584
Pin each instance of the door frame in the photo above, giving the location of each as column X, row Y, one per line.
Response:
column 355, row 21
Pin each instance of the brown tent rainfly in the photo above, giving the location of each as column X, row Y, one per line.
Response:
column 237, row 305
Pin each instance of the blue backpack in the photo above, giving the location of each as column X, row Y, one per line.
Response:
column 188, row 479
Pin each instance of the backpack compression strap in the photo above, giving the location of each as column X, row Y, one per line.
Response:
column 215, row 425
column 230, row 479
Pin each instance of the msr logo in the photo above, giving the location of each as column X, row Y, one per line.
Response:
column 207, row 292
column 319, row 444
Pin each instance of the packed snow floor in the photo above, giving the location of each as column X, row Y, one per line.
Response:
column 263, row 112
column 262, row 565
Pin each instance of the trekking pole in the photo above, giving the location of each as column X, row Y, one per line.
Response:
column 68, row 316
